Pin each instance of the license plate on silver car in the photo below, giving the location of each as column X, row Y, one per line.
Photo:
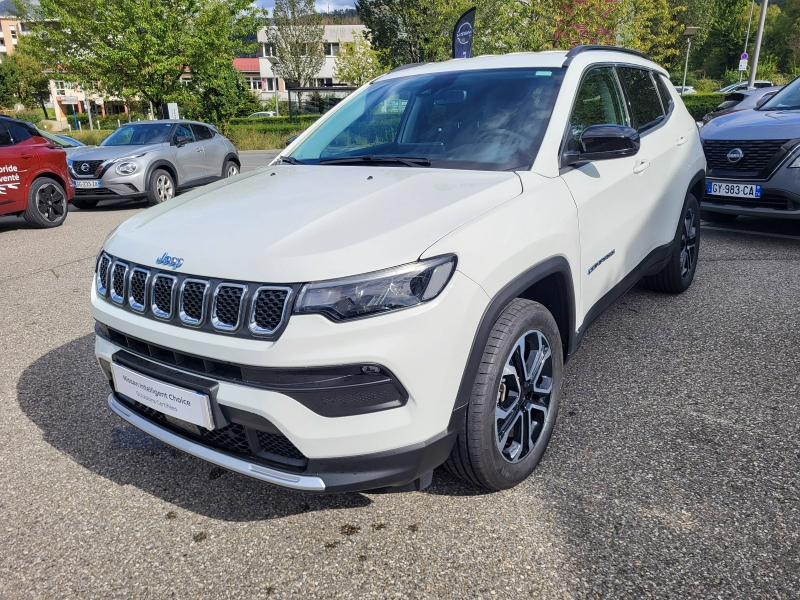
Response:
column 95, row 183
column 736, row 190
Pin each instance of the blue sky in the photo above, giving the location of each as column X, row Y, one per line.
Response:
column 321, row 6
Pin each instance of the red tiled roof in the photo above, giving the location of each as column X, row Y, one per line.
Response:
column 246, row 64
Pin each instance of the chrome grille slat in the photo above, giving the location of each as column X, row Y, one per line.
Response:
column 118, row 277
column 163, row 295
column 268, row 309
column 193, row 300
column 101, row 277
column 137, row 288
column 226, row 312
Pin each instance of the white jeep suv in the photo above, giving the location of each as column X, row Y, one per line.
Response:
column 401, row 287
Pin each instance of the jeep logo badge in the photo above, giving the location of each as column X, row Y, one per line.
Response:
column 170, row 261
column 735, row 155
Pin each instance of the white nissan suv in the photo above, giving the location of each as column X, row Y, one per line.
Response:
column 400, row 289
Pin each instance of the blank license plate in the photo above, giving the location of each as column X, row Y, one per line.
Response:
column 173, row 401
column 95, row 183
column 736, row 190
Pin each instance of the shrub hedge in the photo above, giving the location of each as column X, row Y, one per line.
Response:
column 274, row 120
column 699, row 105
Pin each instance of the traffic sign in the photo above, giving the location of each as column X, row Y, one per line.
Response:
column 745, row 56
column 743, row 65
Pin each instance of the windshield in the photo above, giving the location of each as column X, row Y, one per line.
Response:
column 139, row 134
column 57, row 141
column 786, row 99
column 489, row 120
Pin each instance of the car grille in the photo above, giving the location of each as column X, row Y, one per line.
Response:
column 758, row 160
column 216, row 306
column 86, row 168
column 263, row 447
column 95, row 192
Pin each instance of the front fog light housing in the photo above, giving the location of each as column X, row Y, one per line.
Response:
column 127, row 168
column 377, row 292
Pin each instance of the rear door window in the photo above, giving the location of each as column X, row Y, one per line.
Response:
column 645, row 105
column 201, row 132
column 5, row 136
column 19, row 131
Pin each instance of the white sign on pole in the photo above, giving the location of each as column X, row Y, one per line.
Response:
column 743, row 65
column 173, row 110
column 67, row 99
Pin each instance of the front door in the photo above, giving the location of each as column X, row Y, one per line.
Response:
column 16, row 163
column 189, row 157
column 608, row 194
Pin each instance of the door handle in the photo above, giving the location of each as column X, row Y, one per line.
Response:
column 642, row 165
column 682, row 140
column 26, row 156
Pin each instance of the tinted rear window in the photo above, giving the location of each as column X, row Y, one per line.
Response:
column 20, row 130
column 645, row 104
column 5, row 136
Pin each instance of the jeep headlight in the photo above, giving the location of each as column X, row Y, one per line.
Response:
column 377, row 292
column 127, row 168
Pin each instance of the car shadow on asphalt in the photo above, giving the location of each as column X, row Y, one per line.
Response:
column 64, row 393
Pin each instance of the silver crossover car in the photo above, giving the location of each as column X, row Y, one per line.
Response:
column 152, row 160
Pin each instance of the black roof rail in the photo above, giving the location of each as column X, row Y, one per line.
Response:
column 587, row 48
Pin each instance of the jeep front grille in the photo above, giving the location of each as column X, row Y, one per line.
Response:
column 251, row 310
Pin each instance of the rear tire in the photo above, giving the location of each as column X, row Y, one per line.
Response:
column 715, row 217
column 83, row 204
column 514, row 401
column 161, row 187
column 678, row 274
column 47, row 204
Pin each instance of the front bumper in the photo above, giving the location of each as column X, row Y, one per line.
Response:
column 425, row 347
column 780, row 196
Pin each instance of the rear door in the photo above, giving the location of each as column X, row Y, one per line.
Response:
column 214, row 149
column 17, row 161
column 190, row 157
column 608, row 193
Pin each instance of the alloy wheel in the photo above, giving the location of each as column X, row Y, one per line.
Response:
column 51, row 202
column 232, row 171
column 688, row 243
column 164, row 188
column 523, row 398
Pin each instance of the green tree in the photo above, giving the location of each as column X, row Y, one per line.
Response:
column 357, row 62
column 297, row 34
column 221, row 94
column 144, row 46
column 31, row 84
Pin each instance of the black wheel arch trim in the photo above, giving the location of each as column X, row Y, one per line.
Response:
column 157, row 165
column 552, row 266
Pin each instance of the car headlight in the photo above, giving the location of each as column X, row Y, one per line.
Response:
column 795, row 164
column 378, row 292
column 127, row 168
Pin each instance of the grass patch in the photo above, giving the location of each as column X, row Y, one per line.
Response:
column 90, row 138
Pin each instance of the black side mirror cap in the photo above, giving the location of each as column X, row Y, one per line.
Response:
column 604, row 142
column 181, row 140
column 291, row 139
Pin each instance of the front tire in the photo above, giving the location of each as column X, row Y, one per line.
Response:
column 514, row 401
column 47, row 204
column 231, row 169
column 84, row 204
column 161, row 188
column 678, row 274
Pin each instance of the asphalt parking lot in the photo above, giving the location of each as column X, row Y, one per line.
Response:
column 673, row 471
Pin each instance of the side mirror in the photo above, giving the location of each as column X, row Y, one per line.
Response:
column 291, row 139
column 181, row 140
column 604, row 142
column 763, row 100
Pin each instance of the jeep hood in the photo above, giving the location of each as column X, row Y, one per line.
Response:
column 754, row 125
column 292, row 224
column 110, row 152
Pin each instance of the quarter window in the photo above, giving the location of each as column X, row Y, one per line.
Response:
column 599, row 102
column 666, row 97
column 645, row 104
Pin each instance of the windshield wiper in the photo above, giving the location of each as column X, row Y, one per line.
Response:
column 291, row 160
column 409, row 161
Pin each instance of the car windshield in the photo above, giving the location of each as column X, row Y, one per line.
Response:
column 786, row 99
column 484, row 120
column 57, row 141
column 139, row 134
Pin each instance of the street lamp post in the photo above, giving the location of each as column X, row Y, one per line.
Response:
column 688, row 33
column 757, row 50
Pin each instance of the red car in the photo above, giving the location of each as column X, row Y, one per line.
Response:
column 34, row 181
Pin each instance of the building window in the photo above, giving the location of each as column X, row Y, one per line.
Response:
column 270, row 84
column 61, row 88
column 2, row 41
column 13, row 33
column 332, row 49
column 255, row 83
column 268, row 49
